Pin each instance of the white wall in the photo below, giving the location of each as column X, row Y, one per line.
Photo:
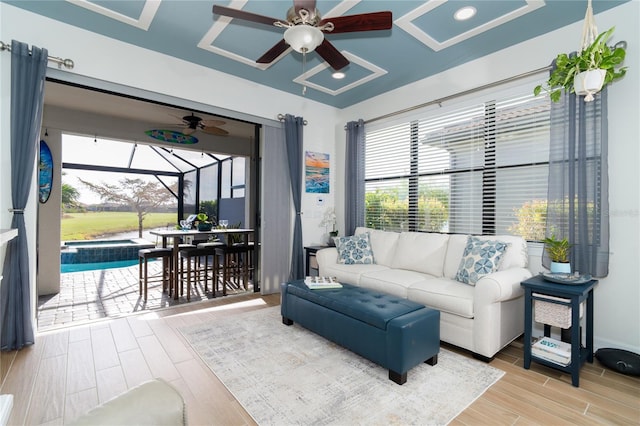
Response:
column 48, row 245
column 617, row 297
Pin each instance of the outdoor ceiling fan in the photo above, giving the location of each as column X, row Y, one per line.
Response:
column 193, row 122
column 305, row 30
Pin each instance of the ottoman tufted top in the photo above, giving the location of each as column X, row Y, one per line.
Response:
column 369, row 306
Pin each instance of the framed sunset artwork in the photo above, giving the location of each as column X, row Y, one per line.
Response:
column 316, row 177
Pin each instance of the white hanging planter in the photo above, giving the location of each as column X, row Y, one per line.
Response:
column 588, row 83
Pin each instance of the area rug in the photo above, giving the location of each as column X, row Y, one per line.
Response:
column 286, row 375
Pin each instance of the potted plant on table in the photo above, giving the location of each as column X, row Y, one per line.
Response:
column 558, row 251
column 203, row 222
column 587, row 71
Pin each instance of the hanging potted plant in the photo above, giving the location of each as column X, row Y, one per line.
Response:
column 558, row 251
column 586, row 72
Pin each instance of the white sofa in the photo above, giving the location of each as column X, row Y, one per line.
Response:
column 482, row 318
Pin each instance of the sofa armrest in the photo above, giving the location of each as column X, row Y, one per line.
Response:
column 500, row 286
column 155, row 402
column 327, row 256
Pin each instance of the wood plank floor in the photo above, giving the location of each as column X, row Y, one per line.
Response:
column 70, row 371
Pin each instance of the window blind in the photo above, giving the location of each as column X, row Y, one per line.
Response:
column 478, row 169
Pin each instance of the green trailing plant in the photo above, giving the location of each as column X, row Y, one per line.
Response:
column 558, row 250
column 597, row 56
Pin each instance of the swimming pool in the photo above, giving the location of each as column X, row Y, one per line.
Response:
column 100, row 252
column 81, row 267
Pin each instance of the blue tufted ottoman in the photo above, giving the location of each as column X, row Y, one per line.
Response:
column 396, row 333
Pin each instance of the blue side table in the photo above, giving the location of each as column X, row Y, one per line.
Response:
column 576, row 294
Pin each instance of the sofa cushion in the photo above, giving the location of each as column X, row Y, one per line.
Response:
column 348, row 273
column 422, row 252
column 444, row 295
column 455, row 248
column 516, row 256
column 383, row 244
column 480, row 258
column 392, row 281
column 355, row 249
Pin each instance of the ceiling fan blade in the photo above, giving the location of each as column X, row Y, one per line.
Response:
column 273, row 53
column 247, row 16
column 215, row 131
column 308, row 5
column 212, row 123
column 179, row 120
column 362, row 22
column 330, row 54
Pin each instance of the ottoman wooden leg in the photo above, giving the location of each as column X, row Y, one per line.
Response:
column 287, row 321
column 433, row 360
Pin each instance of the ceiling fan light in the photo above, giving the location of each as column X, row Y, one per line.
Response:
column 303, row 38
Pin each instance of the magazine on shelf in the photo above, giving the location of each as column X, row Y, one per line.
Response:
column 552, row 350
column 315, row 283
column 550, row 356
column 557, row 347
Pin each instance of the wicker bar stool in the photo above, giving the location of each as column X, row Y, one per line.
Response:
column 144, row 278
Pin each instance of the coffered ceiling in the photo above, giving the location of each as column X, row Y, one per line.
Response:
column 424, row 40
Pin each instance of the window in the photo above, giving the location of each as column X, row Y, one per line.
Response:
column 477, row 169
column 233, row 177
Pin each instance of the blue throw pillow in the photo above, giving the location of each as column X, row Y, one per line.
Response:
column 480, row 258
column 354, row 249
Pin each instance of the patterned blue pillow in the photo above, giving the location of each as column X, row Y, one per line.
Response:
column 480, row 258
column 354, row 249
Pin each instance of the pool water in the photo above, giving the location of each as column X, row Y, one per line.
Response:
column 79, row 267
column 74, row 253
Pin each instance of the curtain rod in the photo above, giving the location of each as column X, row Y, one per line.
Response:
column 281, row 118
column 456, row 95
column 67, row 63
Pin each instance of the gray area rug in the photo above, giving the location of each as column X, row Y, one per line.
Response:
column 288, row 375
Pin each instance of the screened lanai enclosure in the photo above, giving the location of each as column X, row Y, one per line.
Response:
column 193, row 181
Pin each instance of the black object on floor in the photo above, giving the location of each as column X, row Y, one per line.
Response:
column 622, row 361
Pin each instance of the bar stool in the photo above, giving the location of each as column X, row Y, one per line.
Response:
column 234, row 265
column 249, row 259
column 211, row 245
column 143, row 269
column 196, row 270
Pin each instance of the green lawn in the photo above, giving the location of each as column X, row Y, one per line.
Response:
column 85, row 226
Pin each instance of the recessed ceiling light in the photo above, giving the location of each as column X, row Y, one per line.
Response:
column 465, row 13
column 338, row 75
